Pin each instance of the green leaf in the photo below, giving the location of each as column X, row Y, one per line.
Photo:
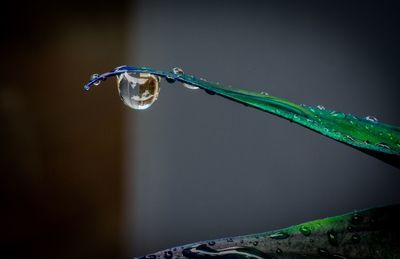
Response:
column 373, row 233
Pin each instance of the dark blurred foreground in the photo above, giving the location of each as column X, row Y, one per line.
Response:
column 61, row 149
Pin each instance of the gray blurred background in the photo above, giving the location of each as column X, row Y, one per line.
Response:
column 201, row 167
column 85, row 177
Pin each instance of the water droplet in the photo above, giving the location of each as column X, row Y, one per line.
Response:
column 332, row 238
column 150, row 257
column 338, row 114
column 356, row 218
column 320, row 107
column 279, row 235
column 305, row 230
column 322, row 251
column 94, row 76
column 264, row 93
column 138, row 90
column 278, row 251
column 339, row 256
column 211, row 243
column 350, row 228
column 191, row 87
column 255, row 243
column 355, row 238
column 168, row 254
column 367, row 142
column 371, row 119
column 177, row 71
column 384, row 145
column 229, row 240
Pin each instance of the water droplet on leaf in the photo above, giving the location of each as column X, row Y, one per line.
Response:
column 332, row 238
column 322, row 251
column 94, row 76
column 279, row 235
column 320, row 107
column 211, row 243
column 356, row 219
column 355, row 238
column 384, row 145
column 371, row 119
column 138, row 90
column 278, row 251
column 305, row 230
column 177, row 71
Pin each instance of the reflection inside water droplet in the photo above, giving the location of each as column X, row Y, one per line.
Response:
column 138, row 90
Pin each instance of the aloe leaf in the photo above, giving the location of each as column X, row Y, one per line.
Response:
column 372, row 233
column 366, row 134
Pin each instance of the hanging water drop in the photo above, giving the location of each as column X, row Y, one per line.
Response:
column 138, row 90
column 371, row 119
column 350, row 228
column 178, row 72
